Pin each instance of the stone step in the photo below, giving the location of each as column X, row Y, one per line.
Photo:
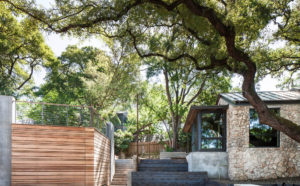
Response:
column 163, row 167
column 123, row 161
column 122, row 167
column 119, row 182
column 125, row 166
column 173, row 161
column 161, row 173
column 169, row 183
column 170, row 175
column 122, row 172
column 120, row 175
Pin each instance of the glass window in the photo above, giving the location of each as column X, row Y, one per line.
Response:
column 262, row 135
column 212, row 131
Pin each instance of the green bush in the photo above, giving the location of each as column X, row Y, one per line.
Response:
column 122, row 140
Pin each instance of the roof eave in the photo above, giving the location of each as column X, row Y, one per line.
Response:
column 195, row 109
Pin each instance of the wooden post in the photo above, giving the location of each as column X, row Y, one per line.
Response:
column 149, row 144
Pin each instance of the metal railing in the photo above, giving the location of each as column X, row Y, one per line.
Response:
column 58, row 114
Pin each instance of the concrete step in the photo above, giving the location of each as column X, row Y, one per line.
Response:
column 122, row 172
column 169, row 175
column 122, row 167
column 118, row 182
column 177, row 165
column 173, row 161
column 163, row 167
column 120, row 175
column 169, row 183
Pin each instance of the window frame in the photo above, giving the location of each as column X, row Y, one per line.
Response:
column 278, row 132
column 223, row 139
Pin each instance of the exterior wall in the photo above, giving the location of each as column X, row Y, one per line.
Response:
column 170, row 155
column 7, row 117
column 56, row 155
column 214, row 163
column 102, row 160
column 260, row 163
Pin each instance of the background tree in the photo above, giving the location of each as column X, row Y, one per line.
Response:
column 64, row 79
column 91, row 77
column 183, row 86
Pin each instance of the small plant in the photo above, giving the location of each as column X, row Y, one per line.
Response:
column 168, row 149
column 122, row 140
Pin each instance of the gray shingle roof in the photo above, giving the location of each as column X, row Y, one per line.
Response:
column 266, row 96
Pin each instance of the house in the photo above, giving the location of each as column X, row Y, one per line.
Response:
column 228, row 141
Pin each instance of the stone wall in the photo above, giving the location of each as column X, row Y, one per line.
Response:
column 260, row 163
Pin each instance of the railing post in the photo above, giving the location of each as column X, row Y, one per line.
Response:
column 42, row 113
column 98, row 121
column 91, row 116
column 110, row 134
column 67, row 120
column 81, row 120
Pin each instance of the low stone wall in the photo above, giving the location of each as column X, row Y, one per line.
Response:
column 214, row 163
column 260, row 163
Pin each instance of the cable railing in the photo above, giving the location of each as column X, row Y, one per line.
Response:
column 41, row 113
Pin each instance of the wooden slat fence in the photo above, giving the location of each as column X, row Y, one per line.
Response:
column 55, row 155
column 147, row 147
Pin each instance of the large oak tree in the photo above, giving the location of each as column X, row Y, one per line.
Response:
column 224, row 34
column 22, row 52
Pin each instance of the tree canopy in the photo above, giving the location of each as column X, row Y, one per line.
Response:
column 22, row 51
column 213, row 35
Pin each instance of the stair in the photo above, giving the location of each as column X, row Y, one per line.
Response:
column 169, row 173
column 122, row 167
column 178, row 165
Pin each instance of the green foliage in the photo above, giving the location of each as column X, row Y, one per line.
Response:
column 216, row 37
column 64, row 82
column 22, row 51
column 89, row 76
column 122, row 140
column 111, row 81
column 168, row 148
column 153, row 109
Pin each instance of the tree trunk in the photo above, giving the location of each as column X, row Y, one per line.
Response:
column 175, row 136
column 265, row 116
column 175, row 127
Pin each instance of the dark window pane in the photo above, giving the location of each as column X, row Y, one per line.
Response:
column 212, row 125
column 211, row 144
column 262, row 135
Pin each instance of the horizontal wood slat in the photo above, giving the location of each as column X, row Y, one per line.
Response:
column 101, row 159
column 59, row 155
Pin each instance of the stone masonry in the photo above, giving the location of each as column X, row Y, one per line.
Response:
column 247, row 163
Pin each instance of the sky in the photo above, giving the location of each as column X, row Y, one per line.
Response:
column 58, row 44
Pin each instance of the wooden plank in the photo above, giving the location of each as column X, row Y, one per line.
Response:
column 101, row 159
column 52, row 155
